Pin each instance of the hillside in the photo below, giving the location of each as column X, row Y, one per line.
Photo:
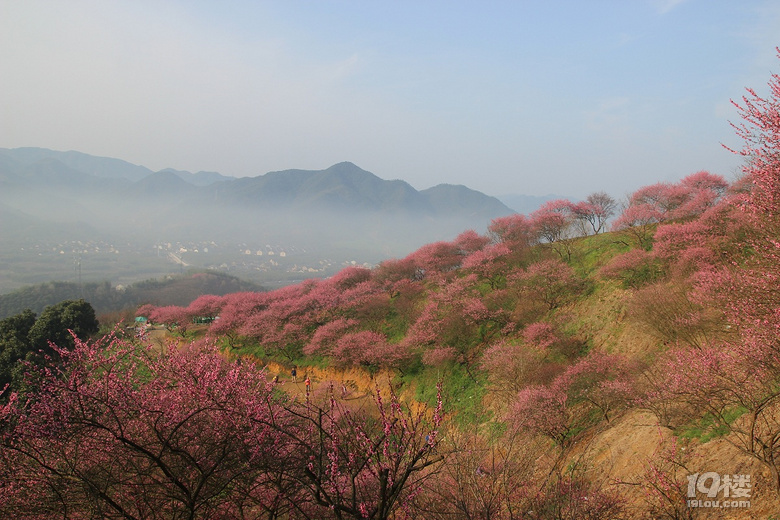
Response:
column 576, row 342
column 622, row 354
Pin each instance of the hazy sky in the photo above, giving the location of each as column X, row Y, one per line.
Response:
column 515, row 97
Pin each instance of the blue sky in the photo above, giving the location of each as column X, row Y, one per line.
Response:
column 522, row 97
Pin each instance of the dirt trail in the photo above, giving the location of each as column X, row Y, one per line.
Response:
column 350, row 385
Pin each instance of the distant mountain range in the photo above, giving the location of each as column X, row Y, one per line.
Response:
column 72, row 195
column 343, row 187
column 98, row 166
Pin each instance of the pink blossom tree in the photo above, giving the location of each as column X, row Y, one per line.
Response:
column 738, row 372
column 207, row 306
column 639, row 221
column 511, row 366
column 349, row 277
column 552, row 282
column 175, row 318
column 470, row 242
column 662, row 202
column 516, row 231
column 540, row 335
column 121, row 431
column 325, row 338
column 633, row 268
column 725, row 383
column 555, row 224
column 561, row 410
column 456, row 316
column 483, row 477
column 364, row 467
column 490, row 263
column 393, row 271
column 437, row 259
column 542, row 410
column 368, row 348
column 236, row 309
column 594, row 211
column 118, row 432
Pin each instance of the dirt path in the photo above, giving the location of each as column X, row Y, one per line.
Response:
column 350, row 385
column 323, row 384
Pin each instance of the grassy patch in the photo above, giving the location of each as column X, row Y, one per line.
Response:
column 594, row 251
column 709, row 427
column 461, row 394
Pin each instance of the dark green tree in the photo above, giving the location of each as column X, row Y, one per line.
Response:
column 14, row 343
column 56, row 322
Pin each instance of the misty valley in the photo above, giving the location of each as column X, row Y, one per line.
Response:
column 72, row 217
column 122, row 263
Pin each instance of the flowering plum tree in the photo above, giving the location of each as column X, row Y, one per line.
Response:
column 555, row 224
column 121, row 433
column 516, row 231
column 325, row 338
column 661, row 202
column 552, row 282
column 594, row 211
column 552, row 220
column 738, row 373
column 350, row 277
column 437, row 259
column 542, row 410
column 368, row 348
column 438, row 356
column 512, row 366
column 665, row 482
column 235, row 310
column 175, row 318
column 206, row 306
column 483, row 477
column 669, row 312
column 599, row 381
column 489, row 263
column 356, row 466
column 470, row 242
column 571, row 497
column 540, row 335
column 726, row 383
column 561, row 410
column 457, row 317
column 390, row 272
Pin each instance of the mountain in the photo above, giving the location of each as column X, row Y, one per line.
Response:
column 89, row 164
column 448, row 197
column 342, row 188
column 165, row 182
column 200, row 178
column 345, row 187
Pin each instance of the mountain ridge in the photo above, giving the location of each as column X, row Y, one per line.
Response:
column 341, row 187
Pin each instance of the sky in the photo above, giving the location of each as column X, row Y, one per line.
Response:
column 563, row 97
